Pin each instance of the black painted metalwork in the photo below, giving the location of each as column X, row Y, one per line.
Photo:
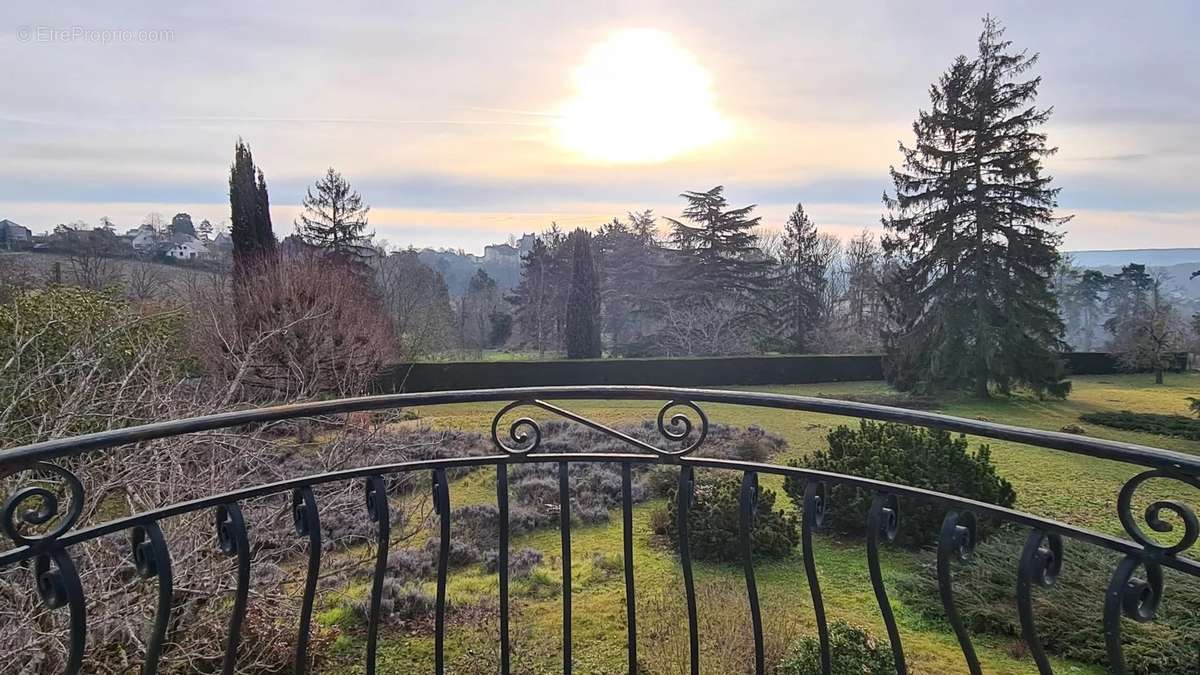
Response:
column 884, row 521
column 502, row 565
column 816, row 498
column 1041, row 561
column 748, row 506
column 380, row 514
column 153, row 561
column 232, row 540
column 957, row 539
column 627, row 554
column 441, row 507
column 564, row 523
column 684, row 493
column 40, row 517
column 307, row 521
column 58, row 586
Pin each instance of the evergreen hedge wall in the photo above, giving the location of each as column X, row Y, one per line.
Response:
column 681, row 372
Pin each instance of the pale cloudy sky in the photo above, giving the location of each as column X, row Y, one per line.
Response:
column 454, row 120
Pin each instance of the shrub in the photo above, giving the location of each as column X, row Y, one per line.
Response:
column 409, row 564
column 520, row 562
column 714, row 522
column 461, row 552
column 854, row 651
column 1179, row 426
column 69, row 357
column 924, row 458
column 399, row 601
column 1068, row 614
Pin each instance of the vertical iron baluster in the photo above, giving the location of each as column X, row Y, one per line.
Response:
column 1133, row 597
column 1039, row 564
column 884, row 520
column 441, row 505
column 749, row 505
column 564, row 524
column 377, row 509
column 59, row 586
column 153, row 561
column 232, row 540
column 627, row 536
column 958, row 537
column 816, row 498
column 307, row 522
column 502, row 563
column 687, row 483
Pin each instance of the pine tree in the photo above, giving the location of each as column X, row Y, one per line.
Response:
column 205, row 229
column 253, row 238
column 971, row 226
column 802, row 281
column 583, row 300
column 628, row 257
column 532, row 299
column 335, row 219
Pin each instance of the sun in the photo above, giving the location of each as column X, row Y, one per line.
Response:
column 640, row 98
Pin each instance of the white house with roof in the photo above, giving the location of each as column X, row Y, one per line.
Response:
column 191, row 249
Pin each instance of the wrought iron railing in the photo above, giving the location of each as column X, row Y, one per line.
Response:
column 1135, row 589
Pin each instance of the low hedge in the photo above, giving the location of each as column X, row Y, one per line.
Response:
column 672, row 372
column 1178, row 426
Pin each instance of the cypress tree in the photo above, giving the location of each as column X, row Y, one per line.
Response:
column 250, row 215
column 583, row 300
column 970, row 224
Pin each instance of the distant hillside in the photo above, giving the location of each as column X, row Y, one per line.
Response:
column 1154, row 257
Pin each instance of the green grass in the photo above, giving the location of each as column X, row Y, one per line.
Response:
column 1073, row 488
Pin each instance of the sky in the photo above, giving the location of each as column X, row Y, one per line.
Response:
column 463, row 122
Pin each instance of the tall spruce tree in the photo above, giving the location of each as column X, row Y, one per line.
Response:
column 250, row 215
column 334, row 219
column 971, row 225
column 583, row 300
column 533, row 299
column 802, row 280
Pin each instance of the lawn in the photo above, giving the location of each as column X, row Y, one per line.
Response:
column 1072, row 488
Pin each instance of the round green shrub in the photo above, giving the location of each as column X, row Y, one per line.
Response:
column 853, row 651
column 714, row 521
column 913, row 456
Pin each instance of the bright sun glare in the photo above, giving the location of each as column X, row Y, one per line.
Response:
column 640, row 98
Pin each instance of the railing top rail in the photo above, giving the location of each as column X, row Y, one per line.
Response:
column 1094, row 447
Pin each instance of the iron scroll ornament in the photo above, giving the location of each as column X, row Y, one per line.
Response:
column 36, row 505
column 524, row 435
column 1154, row 512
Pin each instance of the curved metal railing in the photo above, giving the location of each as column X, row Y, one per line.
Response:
column 1135, row 589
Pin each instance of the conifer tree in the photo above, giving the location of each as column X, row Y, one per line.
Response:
column 971, row 224
column 250, row 215
column 583, row 300
column 334, row 219
column 802, row 280
column 628, row 257
column 719, row 246
column 533, row 299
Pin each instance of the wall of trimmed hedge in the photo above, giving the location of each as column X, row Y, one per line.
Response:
column 682, row 372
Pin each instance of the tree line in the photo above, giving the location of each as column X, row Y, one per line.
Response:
column 966, row 289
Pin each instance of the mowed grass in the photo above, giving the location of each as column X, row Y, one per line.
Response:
column 1072, row 488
